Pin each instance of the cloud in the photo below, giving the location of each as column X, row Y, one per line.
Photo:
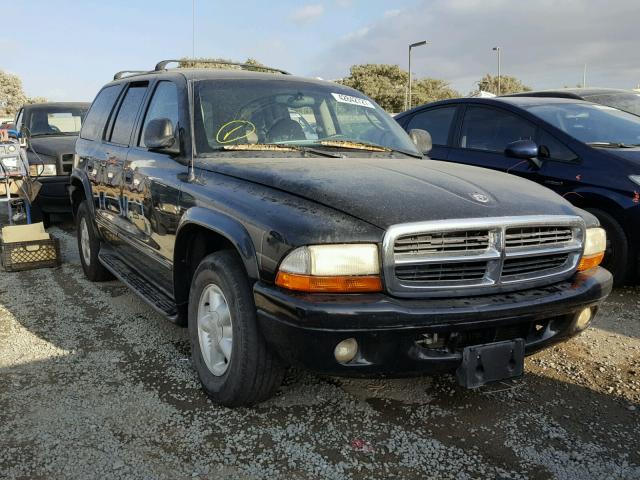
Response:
column 544, row 42
column 308, row 12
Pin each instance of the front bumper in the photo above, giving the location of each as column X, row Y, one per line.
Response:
column 54, row 196
column 303, row 329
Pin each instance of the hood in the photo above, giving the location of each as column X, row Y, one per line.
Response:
column 385, row 192
column 52, row 145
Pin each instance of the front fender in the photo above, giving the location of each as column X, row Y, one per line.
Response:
column 227, row 227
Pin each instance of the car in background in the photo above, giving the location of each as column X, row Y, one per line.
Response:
column 625, row 100
column 51, row 130
column 588, row 153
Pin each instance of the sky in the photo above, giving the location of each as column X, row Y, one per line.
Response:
column 66, row 50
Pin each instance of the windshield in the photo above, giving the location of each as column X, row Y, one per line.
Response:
column 251, row 113
column 591, row 123
column 627, row 102
column 56, row 121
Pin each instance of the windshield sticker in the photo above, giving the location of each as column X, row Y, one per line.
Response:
column 361, row 102
column 234, row 130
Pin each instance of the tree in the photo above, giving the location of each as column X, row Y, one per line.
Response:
column 508, row 84
column 12, row 96
column 387, row 85
column 430, row 90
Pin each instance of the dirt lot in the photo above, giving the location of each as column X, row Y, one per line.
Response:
column 94, row 384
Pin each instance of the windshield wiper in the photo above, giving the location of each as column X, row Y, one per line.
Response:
column 364, row 146
column 611, row 145
column 276, row 147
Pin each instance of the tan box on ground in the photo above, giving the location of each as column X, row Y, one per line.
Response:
column 24, row 233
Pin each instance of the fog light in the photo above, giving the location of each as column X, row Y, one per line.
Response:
column 583, row 319
column 346, row 350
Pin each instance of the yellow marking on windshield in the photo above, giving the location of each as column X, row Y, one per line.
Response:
column 234, row 130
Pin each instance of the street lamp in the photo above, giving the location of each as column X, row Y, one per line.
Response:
column 413, row 45
column 497, row 49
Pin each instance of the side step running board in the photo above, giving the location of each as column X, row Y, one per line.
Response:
column 150, row 294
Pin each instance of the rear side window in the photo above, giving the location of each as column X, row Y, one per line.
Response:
column 127, row 114
column 99, row 113
column 164, row 104
column 492, row 130
column 437, row 122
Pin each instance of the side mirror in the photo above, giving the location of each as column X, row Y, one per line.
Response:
column 158, row 134
column 524, row 149
column 422, row 140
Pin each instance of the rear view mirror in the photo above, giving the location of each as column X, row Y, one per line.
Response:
column 421, row 139
column 158, row 134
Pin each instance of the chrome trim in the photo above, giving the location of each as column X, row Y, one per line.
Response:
column 495, row 256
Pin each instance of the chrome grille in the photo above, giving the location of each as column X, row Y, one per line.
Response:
column 67, row 162
column 528, row 265
column 541, row 235
column 474, row 256
column 442, row 272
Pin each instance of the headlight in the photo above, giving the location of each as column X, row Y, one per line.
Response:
column 345, row 268
column 595, row 244
column 635, row 179
column 40, row 170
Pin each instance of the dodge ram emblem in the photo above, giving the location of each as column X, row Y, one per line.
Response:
column 480, row 197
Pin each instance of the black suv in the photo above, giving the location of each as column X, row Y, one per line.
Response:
column 51, row 130
column 291, row 221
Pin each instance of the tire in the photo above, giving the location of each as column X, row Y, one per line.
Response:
column 89, row 246
column 617, row 255
column 250, row 373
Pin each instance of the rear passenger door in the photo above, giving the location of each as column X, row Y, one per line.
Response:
column 112, row 214
column 438, row 122
column 485, row 132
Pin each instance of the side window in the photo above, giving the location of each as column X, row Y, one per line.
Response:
column 99, row 113
column 554, row 149
column 492, row 130
column 127, row 113
column 436, row 121
column 164, row 104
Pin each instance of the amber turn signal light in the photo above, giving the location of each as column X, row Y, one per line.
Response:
column 590, row 261
column 338, row 284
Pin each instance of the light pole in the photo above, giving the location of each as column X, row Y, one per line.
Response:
column 497, row 49
column 413, row 45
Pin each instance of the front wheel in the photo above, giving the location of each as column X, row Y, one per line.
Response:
column 616, row 257
column 228, row 351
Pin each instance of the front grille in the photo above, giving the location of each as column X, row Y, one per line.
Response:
column 67, row 162
column 541, row 235
column 442, row 272
column 443, row 242
column 528, row 265
column 473, row 256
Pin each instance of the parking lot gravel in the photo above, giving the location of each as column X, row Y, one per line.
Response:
column 95, row 384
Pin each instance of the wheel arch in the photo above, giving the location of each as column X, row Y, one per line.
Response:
column 79, row 190
column 202, row 232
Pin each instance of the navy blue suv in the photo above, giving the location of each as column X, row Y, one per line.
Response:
column 588, row 153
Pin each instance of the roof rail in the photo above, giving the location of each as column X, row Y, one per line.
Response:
column 126, row 73
column 243, row 66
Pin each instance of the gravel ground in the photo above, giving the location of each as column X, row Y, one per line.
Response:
column 94, row 384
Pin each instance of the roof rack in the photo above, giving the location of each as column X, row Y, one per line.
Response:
column 126, row 73
column 243, row 66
